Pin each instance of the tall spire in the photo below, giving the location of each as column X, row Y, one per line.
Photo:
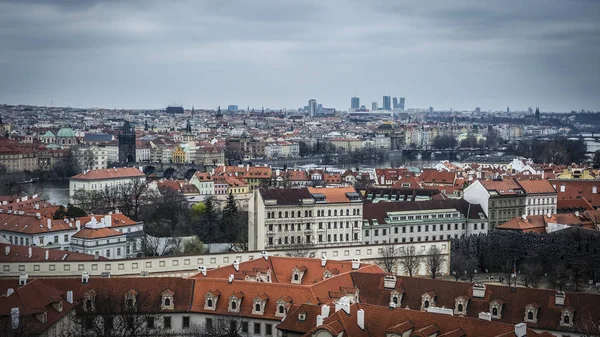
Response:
column 188, row 127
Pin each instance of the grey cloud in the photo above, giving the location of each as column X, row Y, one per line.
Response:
column 281, row 52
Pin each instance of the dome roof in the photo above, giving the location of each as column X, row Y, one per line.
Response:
column 65, row 132
column 48, row 134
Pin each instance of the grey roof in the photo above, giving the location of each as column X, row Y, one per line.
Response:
column 379, row 210
column 288, row 196
column 97, row 137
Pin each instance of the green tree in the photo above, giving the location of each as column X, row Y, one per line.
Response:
column 227, row 223
column 194, row 246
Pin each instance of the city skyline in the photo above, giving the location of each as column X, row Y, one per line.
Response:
column 128, row 55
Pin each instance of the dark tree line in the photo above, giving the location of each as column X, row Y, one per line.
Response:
column 566, row 259
column 557, row 151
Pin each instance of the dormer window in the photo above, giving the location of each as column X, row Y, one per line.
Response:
column 531, row 311
column 281, row 310
column 566, row 317
column 235, row 302
column 296, row 277
column 428, row 300
column 460, row 305
column 281, row 306
column 496, row 308
column 130, row 298
column 209, row 303
column 167, row 300
column 234, row 305
column 259, row 304
column 396, row 298
column 88, row 300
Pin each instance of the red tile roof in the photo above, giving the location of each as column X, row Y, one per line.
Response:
column 96, row 233
column 18, row 253
column 111, row 173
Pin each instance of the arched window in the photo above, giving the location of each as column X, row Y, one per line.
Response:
column 88, row 305
column 329, row 213
column 233, row 305
column 286, row 214
column 299, row 214
column 335, row 212
column 395, row 299
column 426, row 304
column 281, row 309
column 167, row 302
column 279, row 214
column 209, row 303
column 530, row 315
column 347, row 212
column 296, row 277
column 566, row 319
column 130, row 303
column 257, row 307
column 495, row 312
column 460, row 307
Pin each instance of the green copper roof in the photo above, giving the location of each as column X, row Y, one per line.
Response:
column 66, row 132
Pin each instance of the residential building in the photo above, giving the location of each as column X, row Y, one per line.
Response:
column 421, row 221
column 540, row 197
column 572, row 189
column 321, row 216
column 90, row 157
column 203, row 182
column 549, row 223
column 346, row 144
column 501, row 200
column 98, row 179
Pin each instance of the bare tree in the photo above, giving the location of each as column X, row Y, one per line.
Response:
column 24, row 327
column 531, row 274
column 110, row 313
column 156, row 246
column 463, row 266
column 132, row 196
column 300, row 249
column 434, row 261
column 389, row 258
column 222, row 326
column 410, row 260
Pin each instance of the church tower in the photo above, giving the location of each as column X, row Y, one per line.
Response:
column 127, row 144
column 188, row 136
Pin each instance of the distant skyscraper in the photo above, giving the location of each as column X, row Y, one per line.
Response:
column 401, row 103
column 232, row 108
column 508, row 109
column 477, row 110
column 430, row 109
column 537, row 113
column 387, row 103
column 127, row 144
column 395, row 102
column 312, row 107
column 354, row 103
column 374, row 106
column 171, row 110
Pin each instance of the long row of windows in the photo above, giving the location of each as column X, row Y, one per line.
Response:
column 424, row 228
column 308, row 239
column 307, row 226
column 309, row 213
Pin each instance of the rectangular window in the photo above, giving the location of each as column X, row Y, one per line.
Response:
column 257, row 328
column 107, row 253
column 367, row 232
column 185, row 323
column 268, row 329
column 118, row 251
column 395, row 230
column 244, row 326
column 320, row 238
column 377, row 232
column 475, row 226
column 66, row 238
column 167, row 322
column 209, row 323
column 55, row 239
column 150, row 322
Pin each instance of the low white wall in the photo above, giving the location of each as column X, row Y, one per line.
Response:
column 185, row 265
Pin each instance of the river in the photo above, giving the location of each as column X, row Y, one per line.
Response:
column 57, row 191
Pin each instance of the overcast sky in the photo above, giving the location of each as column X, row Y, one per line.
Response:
column 276, row 53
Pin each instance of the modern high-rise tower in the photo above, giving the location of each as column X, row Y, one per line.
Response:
column 127, row 144
column 374, row 106
column 354, row 103
column 395, row 102
column 312, row 107
column 387, row 103
column 401, row 103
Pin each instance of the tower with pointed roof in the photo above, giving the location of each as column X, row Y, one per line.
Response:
column 188, row 136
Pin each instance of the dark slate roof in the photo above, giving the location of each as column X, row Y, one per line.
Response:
column 289, row 196
column 378, row 210
column 97, row 137
column 399, row 194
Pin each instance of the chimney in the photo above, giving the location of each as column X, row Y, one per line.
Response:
column 559, row 298
column 47, row 255
column 577, row 213
column 7, row 250
column 485, row 316
column 344, row 304
column 85, row 277
column 230, row 280
column 392, row 305
column 49, row 223
column 236, row 265
column 14, row 318
column 521, row 330
column 108, row 220
column 264, row 254
column 323, row 260
column 37, row 206
column 524, row 217
column 389, row 281
column 355, row 263
column 360, row 319
column 25, row 198
column 29, row 252
column 70, row 296
column 23, row 279
column 78, row 224
column 319, row 320
column 325, row 311
column 202, row 270
column 9, row 292
column 479, row 290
